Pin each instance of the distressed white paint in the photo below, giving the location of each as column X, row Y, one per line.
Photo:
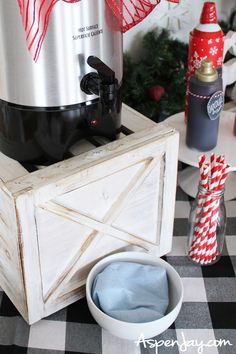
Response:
column 63, row 218
column 12, row 278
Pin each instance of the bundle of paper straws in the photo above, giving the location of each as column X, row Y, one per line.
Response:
column 213, row 175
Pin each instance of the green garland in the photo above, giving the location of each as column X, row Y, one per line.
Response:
column 163, row 62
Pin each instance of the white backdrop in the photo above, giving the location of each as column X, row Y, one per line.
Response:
column 179, row 19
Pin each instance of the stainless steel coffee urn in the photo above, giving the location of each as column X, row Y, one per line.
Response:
column 72, row 91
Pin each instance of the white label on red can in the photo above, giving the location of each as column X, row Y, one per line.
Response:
column 215, row 105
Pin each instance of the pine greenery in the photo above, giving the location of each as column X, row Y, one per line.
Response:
column 163, row 62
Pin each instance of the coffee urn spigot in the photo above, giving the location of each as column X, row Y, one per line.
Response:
column 103, row 83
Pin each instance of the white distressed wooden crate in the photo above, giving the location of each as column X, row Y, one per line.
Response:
column 55, row 223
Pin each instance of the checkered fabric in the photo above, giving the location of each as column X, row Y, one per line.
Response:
column 208, row 311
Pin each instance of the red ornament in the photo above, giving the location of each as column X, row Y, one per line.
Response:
column 156, row 92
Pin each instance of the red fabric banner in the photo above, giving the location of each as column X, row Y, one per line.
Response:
column 36, row 13
column 130, row 12
column 35, row 17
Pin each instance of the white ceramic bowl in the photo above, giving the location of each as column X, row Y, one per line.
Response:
column 133, row 331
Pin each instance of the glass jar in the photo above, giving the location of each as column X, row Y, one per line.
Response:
column 206, row 227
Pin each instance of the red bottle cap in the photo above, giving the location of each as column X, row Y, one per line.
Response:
column 209, row 15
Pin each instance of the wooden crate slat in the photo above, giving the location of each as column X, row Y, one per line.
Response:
column 30, row 256
column 63, row 173
column 168, row 193
column 11, row 275
column 59, row 239
column 81, row 147
column 69, row 215
column 111, row 213
column 134, row 120
column 10, row 169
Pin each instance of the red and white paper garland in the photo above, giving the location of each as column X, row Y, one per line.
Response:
column 213, row 175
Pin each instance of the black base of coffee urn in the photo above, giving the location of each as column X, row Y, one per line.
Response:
column 42, row 135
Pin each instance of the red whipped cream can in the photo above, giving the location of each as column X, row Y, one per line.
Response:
column 206, row 42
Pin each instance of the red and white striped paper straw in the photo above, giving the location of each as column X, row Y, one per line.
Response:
column 204, row 248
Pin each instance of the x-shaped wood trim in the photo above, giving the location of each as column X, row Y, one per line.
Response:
column 100, row 227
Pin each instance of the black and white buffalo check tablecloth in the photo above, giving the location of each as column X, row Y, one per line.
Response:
column 208, row 314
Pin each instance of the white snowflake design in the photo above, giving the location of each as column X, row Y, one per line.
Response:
column 213, row 50
column 210, row 41
column 219, row 61
column 196, row 61
column 175, row 17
